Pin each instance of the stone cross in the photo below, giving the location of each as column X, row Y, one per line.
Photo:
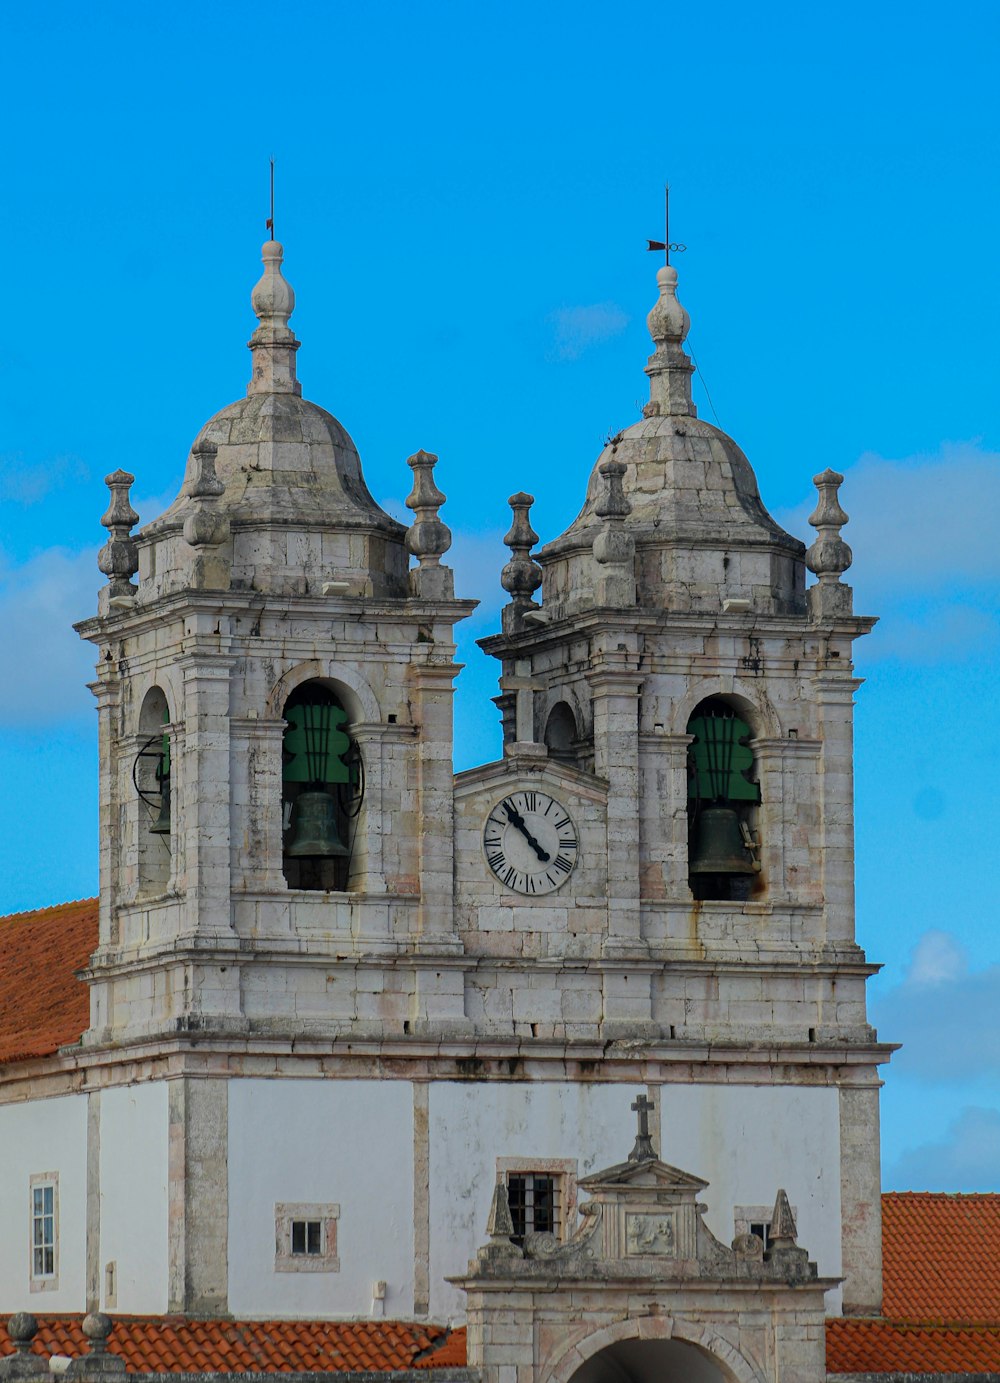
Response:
column 643, row 1149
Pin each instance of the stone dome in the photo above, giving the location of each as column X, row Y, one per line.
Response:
column 293, row 495
column 701, row 532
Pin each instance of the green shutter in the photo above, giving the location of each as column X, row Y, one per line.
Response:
column 721, row 760
column 314, row 744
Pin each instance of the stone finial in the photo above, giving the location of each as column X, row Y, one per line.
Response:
column 273, row 343
column 118, row 559
column 22, row 1329
column 428, row 538
column 522, row 575
column 205, row 526
column 500, row 1227
column 783, row 1233
column 614, row 547
column 829, row 556
column 98, row 1363
column 669, row 368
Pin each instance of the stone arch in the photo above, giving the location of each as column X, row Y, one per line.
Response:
column 734, row 1365
column 354, row 692
column 748, row 699
column 151, row 781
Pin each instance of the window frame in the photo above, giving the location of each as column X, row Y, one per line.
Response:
column 288, row 1213
column 41, row 1182
column 746, row 1216
column 563, row 1171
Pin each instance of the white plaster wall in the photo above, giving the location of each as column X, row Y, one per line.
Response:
column 317, row 1141
column 747, row 1141
column 43, row 1136
column 134, row 1143
column 472, row 1124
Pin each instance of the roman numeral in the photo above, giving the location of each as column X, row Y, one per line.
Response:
column 493, row 840
column 530, row 801
column 568, row 841
column 561, row 824
column 563, row 864
column 497, row 860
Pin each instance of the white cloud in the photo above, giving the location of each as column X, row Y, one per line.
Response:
column 943, row 1013
column 28, row 484
column 966, row 1159
column 924, row 533
column 576, row 329
column 937, row 957
column 48, row 666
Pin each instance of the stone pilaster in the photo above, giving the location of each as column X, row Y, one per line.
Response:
column 615, row 687
column 835, row 705
column 861, row 1199
column 205, row 809
column 198, row 1197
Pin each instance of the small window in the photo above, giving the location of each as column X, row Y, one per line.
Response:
column 755, row 1219
column 762, row 1229
column 44, row 1231
column 307, row 1237
column 541, row 1193
column 534, row 1204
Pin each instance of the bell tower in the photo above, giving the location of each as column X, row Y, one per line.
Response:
column 275, row 696
column 676, row 654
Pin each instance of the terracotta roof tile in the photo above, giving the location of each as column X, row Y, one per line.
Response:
column 941, row 1290
column 171, row 1344
column 43, row 1006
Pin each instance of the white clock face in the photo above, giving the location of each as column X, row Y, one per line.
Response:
column 530, row 842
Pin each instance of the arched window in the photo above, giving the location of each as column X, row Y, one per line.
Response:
column 151, row 779
column 722, row 797
column 322, row 789
column 560, row 735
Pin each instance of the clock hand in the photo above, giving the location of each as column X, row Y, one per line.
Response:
column 516, row 819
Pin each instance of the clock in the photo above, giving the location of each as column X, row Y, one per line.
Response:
column 530, row 842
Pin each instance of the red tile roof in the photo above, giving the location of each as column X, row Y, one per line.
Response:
column 941, row 1290
column 43, row 1006
column 172, row 1344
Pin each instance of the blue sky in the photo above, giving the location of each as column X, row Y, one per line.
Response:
column 463, row 193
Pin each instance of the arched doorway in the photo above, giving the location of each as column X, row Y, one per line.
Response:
column 650, row 1361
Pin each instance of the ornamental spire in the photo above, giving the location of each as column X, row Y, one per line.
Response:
column 273, row 343
column 669, row 367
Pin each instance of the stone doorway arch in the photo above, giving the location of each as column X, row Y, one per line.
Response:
column 652, row 1349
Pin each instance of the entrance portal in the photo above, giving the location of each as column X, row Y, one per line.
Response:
column 650, row 1361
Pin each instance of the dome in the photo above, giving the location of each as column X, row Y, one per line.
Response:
column 288, row 478
column 701, row 532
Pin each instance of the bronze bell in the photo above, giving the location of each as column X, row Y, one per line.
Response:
column 161, row 826
column 719, row 847
column 315, row 832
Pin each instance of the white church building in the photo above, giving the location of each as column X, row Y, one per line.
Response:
column 340, row 994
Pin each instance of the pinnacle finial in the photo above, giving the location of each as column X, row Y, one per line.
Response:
column 522, row 575
column 500, row 1227
column 669, row 368
column 118, row 559
column 614, row 546
column 783, row 1231
column 428, row 538
column 273, row 343
column 829, row 556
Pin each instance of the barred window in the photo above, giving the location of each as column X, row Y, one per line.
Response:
column 534, row 1203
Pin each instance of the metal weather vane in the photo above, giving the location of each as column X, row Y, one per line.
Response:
column 269, row 223
column 665, row 244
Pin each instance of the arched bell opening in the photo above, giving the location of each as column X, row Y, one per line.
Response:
column 322, row 790
column 561, row 735
column 151, row 780
column 651, row 1361
column 723, row 846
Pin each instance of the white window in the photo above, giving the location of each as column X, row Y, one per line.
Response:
column 541, row 1193
column 305, row 1238
column 44, row 1231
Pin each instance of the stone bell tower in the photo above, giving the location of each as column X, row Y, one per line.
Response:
column 677, row 654
column 275, row 697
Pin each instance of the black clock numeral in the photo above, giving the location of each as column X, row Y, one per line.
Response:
column 563, row 864
column 531, row 884
column 511, row 874
column 497, row 860
column 570, row 842
column 530, row 801
column 491, row 840
column 561, row 824
column 548, row 808
column 552, row 881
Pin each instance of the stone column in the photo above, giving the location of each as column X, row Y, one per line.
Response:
column 433, row 693
column 664, row 822
column 615, row 686
column 835, row 705
column 256, row 805
column 198, row 1197
column 861, row 1198
column 204, row 808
